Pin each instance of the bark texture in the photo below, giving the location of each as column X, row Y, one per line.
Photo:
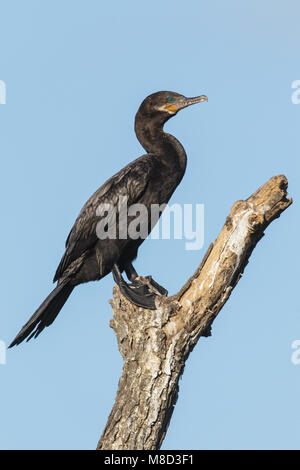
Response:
column 156, row 343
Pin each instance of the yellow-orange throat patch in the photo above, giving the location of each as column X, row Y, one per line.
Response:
column 171, row 108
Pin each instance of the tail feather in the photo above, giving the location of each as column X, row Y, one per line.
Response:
column 45, row 314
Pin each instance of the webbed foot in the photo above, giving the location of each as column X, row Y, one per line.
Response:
column 138, row 292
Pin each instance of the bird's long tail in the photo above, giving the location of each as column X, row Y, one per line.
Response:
column 45, row 314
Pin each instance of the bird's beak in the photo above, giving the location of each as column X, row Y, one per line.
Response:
column 196, row 99
column 185, row 102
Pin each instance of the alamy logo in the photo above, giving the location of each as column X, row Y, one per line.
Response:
column 295, row 357
column 2, row 353
column 2, row 92
column 134, row 222
column 296, row 94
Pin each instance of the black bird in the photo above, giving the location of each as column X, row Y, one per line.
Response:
column 150, row 179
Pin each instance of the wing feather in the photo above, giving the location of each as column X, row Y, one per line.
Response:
column 131, row 181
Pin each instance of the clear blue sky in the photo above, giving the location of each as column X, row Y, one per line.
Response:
column 76, row 72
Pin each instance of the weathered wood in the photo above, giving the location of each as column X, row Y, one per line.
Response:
column 156, row 343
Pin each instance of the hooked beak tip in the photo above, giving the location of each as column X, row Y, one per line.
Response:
column 198, row 99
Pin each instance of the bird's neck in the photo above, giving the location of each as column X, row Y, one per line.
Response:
column 152, row 137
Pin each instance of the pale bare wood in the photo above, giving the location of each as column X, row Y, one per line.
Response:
column 156, row 343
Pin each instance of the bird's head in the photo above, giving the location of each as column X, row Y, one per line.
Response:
column 165, row 104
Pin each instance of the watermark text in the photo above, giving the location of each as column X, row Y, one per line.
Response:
column 2, row 353
column 296, row 94
column 138, row 221
column 295, row 357
column 2, row 92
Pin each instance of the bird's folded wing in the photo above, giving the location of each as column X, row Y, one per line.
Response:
column 130, row 182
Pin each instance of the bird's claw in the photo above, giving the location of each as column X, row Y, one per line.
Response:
column 142, row 291
column 139, row 294
column 160, row 289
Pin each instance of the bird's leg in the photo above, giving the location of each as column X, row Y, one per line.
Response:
column 133, row 275
column 131, row 272
column 138, row 293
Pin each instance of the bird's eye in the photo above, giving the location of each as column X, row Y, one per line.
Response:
column 170, row 100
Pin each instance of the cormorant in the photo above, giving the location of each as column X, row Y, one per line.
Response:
column 150, row 179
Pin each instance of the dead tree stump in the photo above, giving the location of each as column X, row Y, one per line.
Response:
column 156, row 343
